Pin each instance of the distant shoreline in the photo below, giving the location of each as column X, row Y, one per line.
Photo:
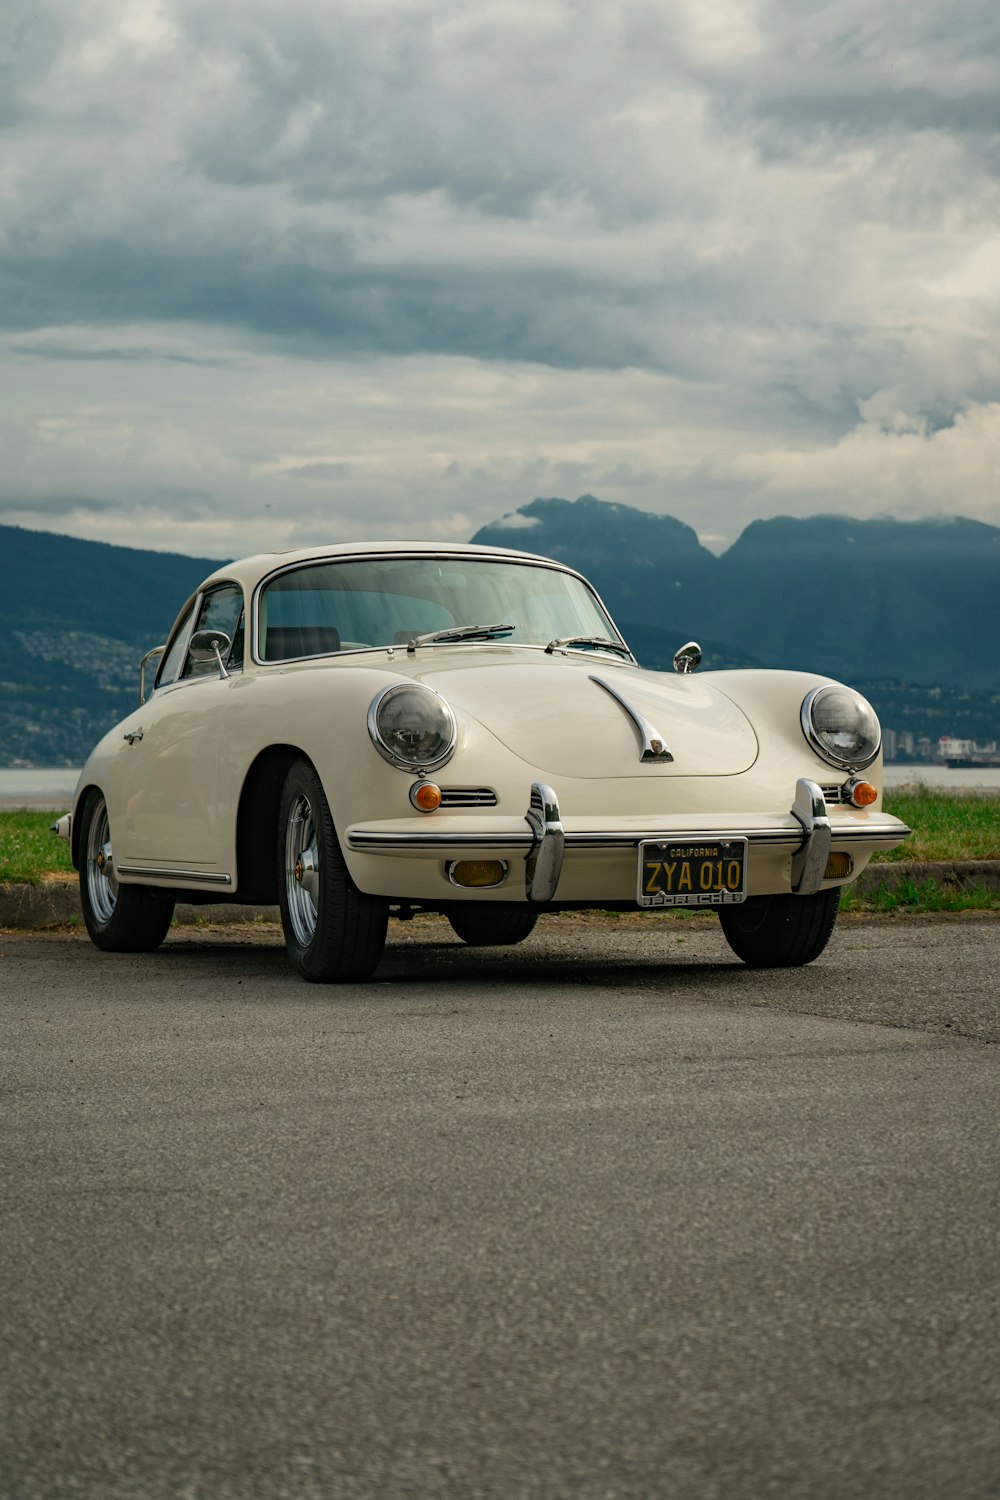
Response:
column 41, row 789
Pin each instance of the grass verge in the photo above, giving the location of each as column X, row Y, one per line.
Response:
column 29, row 853
column 920, row 896
column 944, row 827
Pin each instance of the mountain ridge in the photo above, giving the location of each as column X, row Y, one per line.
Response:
column 888, row 603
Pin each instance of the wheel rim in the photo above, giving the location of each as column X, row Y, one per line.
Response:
column 302, row 870
column 102, row 884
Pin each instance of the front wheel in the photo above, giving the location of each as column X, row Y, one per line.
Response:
column 334, row 933
column 491, row 926
column 119, row 918
column 780, row 932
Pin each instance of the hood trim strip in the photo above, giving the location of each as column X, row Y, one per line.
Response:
column 655, row 750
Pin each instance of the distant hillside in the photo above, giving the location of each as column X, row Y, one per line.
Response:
column 881, row 604
column 75, row 619
column 918, row 600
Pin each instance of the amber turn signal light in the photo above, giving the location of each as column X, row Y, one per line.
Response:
column 425, row 796
column 477, row 872
column 863, row 794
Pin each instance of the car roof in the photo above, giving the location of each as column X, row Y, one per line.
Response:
column 250, row 570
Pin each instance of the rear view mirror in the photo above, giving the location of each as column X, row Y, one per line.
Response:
column 210, row 645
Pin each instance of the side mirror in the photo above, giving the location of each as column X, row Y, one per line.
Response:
column 210, row 645
column 153, row 655
column 688, row 658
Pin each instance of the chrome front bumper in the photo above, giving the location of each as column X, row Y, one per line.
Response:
column 805, row 832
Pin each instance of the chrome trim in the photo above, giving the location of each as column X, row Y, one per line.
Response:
column 468, row 796
column 205, row 644
column 413, row 768
column 157, row 651
column 197, row 877
column 543, row 864
column 814, row 741
column 809, row 864
column 687, row 658
column 449, row 870
column 302, row 872
column 194, row 605
column 523, row 559
column 654, row 746
column 63, row 827
column 131, row 735
column 374, row 841
column 99, row 869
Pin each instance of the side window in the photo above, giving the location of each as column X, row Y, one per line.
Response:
column 222, row 609
column 172, row 658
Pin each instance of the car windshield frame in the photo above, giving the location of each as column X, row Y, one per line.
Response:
column 456, row 559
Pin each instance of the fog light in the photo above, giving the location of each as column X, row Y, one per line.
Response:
column 862, row 793
column 477, row 872
column 425, row 796
column 838, row 866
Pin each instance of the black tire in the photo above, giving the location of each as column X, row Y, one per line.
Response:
column 780, row 932
column 334, row 933
column 491, row 926
column 119, row 918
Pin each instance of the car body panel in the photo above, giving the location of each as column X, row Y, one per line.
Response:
column 524, row 716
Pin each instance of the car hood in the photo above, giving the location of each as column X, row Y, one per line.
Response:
column 552, row 714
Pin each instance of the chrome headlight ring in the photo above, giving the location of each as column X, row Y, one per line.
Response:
column 841, row 726
column 412, row 727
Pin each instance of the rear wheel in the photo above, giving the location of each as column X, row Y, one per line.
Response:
column 119, row 918
column 491, row 926
column 780, row 932
column 334, row 933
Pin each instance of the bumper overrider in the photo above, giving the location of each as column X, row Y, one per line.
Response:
column 806, row 833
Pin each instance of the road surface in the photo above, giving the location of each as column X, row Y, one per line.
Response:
column 603, row 1215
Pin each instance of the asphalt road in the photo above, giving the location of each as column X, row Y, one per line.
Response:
column 604, row 1215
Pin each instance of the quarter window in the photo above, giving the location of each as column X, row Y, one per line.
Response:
column 221, row 609
column 174, row 654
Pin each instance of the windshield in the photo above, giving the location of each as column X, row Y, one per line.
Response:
column 349, row 605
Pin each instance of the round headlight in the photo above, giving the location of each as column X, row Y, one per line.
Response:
column 412, row 727
column 841, row 727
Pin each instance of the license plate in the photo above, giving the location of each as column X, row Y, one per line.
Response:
column 692, row 872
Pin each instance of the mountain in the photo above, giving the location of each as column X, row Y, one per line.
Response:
column 880, row 604
column 75, row 620
column 648, row 569
column 913, row 600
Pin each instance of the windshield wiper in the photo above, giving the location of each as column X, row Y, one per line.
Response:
column 598, row 642
column 461, row 633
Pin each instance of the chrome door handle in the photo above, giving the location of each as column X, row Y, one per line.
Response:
column 132, row 735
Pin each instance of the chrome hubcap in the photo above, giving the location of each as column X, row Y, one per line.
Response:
column 102, row 884
column 302, row 870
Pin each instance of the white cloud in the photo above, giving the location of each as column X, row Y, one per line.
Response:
column 288, row 268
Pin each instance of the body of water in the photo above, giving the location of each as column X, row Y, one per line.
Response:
column 944, row 778
column 38, row 787
column 55, row 788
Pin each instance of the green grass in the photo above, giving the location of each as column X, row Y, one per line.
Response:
column 920, row 896
column 28, row 851
column 945, row 827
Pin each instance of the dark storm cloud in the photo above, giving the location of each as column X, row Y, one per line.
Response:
column 550, row 316
column 321, row 175
column 54, row 506
column 731, row 254
column 61, row 353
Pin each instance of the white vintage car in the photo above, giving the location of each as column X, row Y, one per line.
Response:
column 360, row 732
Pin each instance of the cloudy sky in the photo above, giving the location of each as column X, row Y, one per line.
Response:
column 281, row 271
